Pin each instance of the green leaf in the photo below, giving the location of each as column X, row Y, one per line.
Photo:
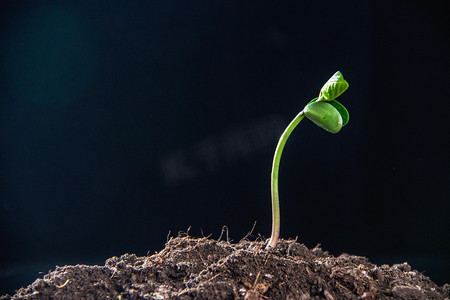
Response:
column 324, row 115
column 342, row 110
column 333, row 88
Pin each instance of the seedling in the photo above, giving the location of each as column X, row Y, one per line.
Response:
column 325, row 112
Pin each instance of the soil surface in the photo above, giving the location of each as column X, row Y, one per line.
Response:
column 189, row 268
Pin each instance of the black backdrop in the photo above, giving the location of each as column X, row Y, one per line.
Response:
column 122, row 122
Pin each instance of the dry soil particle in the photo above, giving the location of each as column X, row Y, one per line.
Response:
column 189, row 268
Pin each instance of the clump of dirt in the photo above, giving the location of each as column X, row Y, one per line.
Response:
column 190, row 268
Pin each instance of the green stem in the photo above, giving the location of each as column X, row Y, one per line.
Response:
column 274, row 180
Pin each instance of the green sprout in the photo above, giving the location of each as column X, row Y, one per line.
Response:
column 325, row 112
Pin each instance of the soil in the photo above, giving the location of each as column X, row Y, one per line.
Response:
column 190, row 268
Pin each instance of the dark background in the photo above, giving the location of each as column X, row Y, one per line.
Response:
column 122, row 122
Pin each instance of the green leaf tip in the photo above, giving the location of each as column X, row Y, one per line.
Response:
column 326, row 112
column 333, row 88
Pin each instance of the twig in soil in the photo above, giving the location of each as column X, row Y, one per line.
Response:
column 223, row 229
column 64, row 284
column 215, row 276
column 249, row 233
column 184, row 234
column 256, row 279
column 257, row 290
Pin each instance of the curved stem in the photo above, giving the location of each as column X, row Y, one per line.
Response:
column 274, row 180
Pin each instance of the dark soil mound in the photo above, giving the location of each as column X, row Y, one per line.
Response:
column 191, row 268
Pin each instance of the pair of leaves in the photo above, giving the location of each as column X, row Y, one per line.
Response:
column 325, row 111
